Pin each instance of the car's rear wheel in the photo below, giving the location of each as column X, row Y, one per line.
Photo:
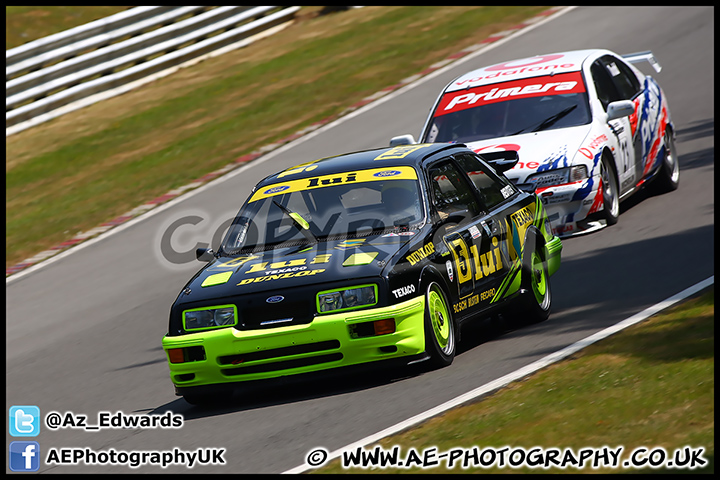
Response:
column 535, row 304
column 668, row 178
column 610, row 192
column 439, row 327
column 539, row 283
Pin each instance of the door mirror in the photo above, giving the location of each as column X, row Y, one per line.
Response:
column 503, row 160
column 406, row 139
column 204, row 254
column 619, row 109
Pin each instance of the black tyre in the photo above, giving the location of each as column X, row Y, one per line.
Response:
column 198, row 399
column 535, row 304
column 668, row 178
column 610, row 191
column 440, row 334
column 203, row 397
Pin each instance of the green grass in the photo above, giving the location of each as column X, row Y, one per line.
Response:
column 651, row 385
column 82, row 169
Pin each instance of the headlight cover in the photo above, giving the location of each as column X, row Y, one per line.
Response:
column 210, row 317
column 349, row 298
column 558, row 176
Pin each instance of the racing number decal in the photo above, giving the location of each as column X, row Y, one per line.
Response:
column 461, row 255
column 497, row 250
column 489, row 262
column 475, row 262
column 625, row 154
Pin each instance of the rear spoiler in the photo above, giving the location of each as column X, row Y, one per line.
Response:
column 640, row 56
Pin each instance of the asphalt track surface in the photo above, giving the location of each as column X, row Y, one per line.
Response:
column 84, row 332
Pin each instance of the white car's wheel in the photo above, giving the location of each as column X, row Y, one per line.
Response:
column 668, row 178
column 611, row 196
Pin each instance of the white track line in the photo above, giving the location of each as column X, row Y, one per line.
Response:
column 516, row 375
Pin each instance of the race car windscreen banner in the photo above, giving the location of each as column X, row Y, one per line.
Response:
column 529, row 87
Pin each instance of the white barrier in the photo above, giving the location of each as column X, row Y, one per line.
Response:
column 41, row 46
column 70, row 43
column 33, row 95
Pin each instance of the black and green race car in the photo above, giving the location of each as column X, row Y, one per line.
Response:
column 364, row 257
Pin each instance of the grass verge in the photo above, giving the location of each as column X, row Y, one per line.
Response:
column 79, row 170
column 652, row 386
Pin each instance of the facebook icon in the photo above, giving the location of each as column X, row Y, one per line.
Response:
column 24, row 456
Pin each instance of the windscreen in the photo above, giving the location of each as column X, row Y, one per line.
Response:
column 343, row 205
column 510, row 108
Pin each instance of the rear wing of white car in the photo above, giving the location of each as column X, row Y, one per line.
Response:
column 641, row 56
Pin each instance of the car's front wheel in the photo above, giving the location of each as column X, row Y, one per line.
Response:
column 610, row 192
column 439, row 327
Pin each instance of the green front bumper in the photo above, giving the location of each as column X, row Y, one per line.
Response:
column 554, row 249
column 229, row 355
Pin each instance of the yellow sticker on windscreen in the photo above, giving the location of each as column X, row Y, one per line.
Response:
column 345, row 178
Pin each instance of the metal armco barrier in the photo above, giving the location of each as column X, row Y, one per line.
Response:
column 44, row 75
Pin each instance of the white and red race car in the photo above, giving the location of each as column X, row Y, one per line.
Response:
column 590, row 130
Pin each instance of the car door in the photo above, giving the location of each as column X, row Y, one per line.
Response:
column 602, row 71
column 473, row 233
column 508, row 214
column 455, row 209
column 646, row 122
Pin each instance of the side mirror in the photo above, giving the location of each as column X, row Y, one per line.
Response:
column 406, row 139
column 503, row 160
column 204, row 254
column 619, row 109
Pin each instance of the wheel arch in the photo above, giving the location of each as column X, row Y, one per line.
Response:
column 613, row 164
column 429, row 274
column 533, row 234
column 671, row 128
column 534, row 242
